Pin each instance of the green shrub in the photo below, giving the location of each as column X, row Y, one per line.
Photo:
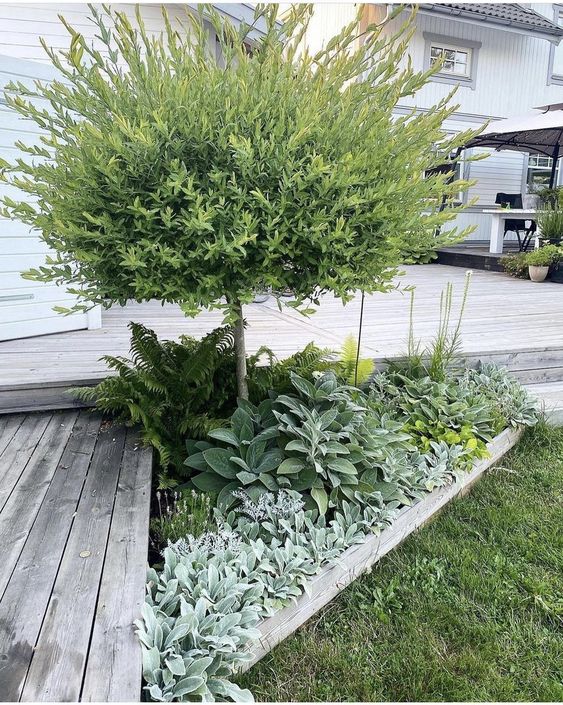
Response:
column 322, row 440
column 433, row 411
column 509, row 402
column 515, row 264
column 550, row 197
column 544, row 256
column 550, row 223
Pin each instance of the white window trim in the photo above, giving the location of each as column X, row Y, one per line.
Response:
column 552, row 78
column 442, row 46
column 452, row 43
column 525, row 184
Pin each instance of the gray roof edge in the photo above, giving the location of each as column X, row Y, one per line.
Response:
column 546, row 28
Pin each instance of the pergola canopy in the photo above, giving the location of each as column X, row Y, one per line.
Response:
column 540, row 132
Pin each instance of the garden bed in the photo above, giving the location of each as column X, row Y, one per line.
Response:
column 357, row 559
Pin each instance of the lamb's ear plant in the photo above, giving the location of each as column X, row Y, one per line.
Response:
column 172, row 172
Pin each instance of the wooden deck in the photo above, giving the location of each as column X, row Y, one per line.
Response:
column 506, row 318
column 74, row 512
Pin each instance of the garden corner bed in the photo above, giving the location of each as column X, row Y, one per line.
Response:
column 359, row 558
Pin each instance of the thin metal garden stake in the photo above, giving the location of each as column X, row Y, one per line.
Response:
column 359, row 339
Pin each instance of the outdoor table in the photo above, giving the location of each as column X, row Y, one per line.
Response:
column 497, row 229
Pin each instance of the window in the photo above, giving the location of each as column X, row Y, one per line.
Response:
column 458, row 59
column 539, row 171
column 456, row 62
column 455, row 170
column 556, row 52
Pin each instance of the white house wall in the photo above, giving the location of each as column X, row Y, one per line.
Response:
column 26, row 308
column 512, row 69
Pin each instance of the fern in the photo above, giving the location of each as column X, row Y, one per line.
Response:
column 276, row 374
column 349, row 358
column 172, row 389
column 185, row 389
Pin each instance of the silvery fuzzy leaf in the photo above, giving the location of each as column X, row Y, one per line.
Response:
column 188, row 685
column 197, row 667
column 151, row 661
column 167, row 677
column 175, row 664
column 229, row 690
column 156, row 693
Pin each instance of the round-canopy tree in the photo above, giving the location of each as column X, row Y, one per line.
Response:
column 174, row 172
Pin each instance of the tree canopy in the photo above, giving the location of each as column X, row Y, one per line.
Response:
column 178, row 169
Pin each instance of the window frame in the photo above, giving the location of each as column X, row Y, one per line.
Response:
column 456, row 44
column 555, row 78
column 546, row 169
column 443, row 47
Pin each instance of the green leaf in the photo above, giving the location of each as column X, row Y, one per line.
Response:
column 302, row 385
column 247, row 478
column 270, row 461
column 225, row 498
column 219, row 459
column 269, row 482
column 321, row 498
column 209, row 482
column 197, row 462
column 290, row 466
column 225, row 435
column 342, row 465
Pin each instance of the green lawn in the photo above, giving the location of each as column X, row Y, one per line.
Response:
column 471, row 608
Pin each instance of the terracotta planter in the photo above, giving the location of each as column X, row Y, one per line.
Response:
column 537, row 274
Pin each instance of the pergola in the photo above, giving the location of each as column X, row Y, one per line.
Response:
column 540, row 132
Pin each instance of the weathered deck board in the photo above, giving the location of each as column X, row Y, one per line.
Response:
column 120, row 600
column 75, row 565
column 41, row 556
column 20, row 510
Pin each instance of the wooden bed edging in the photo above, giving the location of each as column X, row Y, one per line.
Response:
column 359, row 558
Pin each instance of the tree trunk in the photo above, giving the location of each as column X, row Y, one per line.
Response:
column 240, row 352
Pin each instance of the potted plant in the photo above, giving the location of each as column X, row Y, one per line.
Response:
column 550, row 197
column 550, row 224
column 539, row 261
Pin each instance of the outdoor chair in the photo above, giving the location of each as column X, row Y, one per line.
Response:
column 517, row 225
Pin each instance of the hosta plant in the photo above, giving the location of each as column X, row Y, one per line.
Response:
column 434, row 411
column 322, row 440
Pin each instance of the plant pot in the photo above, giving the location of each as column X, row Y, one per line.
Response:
column 537, row 274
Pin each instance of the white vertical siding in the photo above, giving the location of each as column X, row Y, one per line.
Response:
column 21, row 26
column 327, row 20
column 512, row 68
column 499, row 172
column 26, row 307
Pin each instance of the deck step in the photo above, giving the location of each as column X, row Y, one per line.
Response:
column 470, row 260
